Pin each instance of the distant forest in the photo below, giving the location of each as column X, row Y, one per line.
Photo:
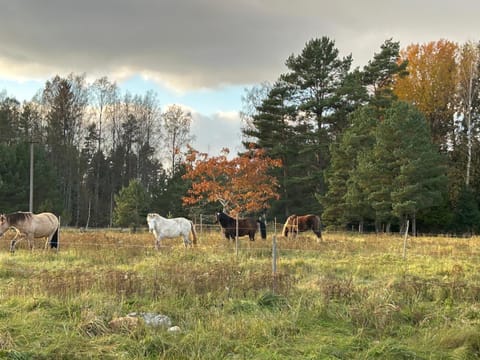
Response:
column 365, row 148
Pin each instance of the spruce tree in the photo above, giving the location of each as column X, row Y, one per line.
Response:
column 345, row 201
column 467, row 213
column 131, row 205
column 408, row 171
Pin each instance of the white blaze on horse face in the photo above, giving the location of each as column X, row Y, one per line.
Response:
column 151, row 221
column 150, row 225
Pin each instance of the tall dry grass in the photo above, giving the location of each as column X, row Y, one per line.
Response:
column 349, row 296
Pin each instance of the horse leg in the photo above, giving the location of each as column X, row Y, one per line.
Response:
column 157, row 243
column 186, row 240
column 14, row 240
column 12, row 244
column 49, row 239
column 31, row 243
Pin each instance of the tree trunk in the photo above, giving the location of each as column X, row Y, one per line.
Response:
column 414, row 224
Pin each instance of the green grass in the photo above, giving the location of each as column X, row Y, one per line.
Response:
column 349, row 297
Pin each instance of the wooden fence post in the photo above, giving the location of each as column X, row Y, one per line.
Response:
column 405, row 241
column 236, row 237
column 274, row 255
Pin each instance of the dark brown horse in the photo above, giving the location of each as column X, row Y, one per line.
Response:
column 296, row 223
column 246, row 226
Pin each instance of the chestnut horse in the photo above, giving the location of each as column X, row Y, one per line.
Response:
column 300, row 223
column 43, row 225
column 246, row 226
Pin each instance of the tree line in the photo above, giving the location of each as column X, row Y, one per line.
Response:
column 90, row 142
column 367, row 147
column 375, row 147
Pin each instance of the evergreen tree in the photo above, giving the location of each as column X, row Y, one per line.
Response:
column 421, row 180
column 272, row 126
column 9, row 120
column 380, row 74
column 15, row 180
column 131, row 205
column 66, row 100
column 345, row 201
column 467, row 213
column 403, row 173
column 317, row 75
column 168, row 193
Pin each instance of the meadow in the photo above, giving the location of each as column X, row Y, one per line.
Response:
column 351, row 296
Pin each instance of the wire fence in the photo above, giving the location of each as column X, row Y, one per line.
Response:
column 211, row 235
column 277, row 249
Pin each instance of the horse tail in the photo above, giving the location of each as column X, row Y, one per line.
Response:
column 318, row 227
column 54, row 240
column 285, row 229
column 263, row 229
column 287, row 226
column 194, row 234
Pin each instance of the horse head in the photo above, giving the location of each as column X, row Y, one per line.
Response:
column 4, row 224
column 219, row 215
column 151, row 222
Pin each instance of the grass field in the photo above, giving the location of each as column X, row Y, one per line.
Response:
column 349, row 297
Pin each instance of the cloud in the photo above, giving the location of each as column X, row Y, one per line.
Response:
column 216, row 131
column 209, row 43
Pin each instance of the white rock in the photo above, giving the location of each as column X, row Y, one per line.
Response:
column 174, row 329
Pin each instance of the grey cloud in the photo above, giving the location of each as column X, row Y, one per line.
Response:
column 204, row 43
column 216, row 131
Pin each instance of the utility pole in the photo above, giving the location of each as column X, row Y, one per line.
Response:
column 30, row 203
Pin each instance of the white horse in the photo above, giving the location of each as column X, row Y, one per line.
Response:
column 169, row 228
column 29, row 225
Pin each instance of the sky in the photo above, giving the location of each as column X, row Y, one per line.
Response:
column 203, row 54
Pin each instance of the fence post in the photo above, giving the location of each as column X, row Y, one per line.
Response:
column 274, row 249
column 58, row 234
column 405, row 241
column 201, row 225
column 274, row 255
column 236, row 237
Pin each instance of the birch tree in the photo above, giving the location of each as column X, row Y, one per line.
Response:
column 469, row 83
column 176, row 133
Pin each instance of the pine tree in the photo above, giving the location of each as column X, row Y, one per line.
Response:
column 345, row 201
column 380, row 74
column 405, row 150
column 272, row 127
column 467, row 213
column 131, row 205
column 317, row 75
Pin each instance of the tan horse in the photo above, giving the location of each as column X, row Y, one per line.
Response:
column 299, row 223
column 29, row 225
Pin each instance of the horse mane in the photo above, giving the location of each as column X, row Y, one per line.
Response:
column 246, row 226
column 225, row 220
column 18, row 216
column 303, row 223
column 288, row 224
column 317, row 222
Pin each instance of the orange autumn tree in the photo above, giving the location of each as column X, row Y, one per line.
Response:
column 431, row 85
column 241, row 185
